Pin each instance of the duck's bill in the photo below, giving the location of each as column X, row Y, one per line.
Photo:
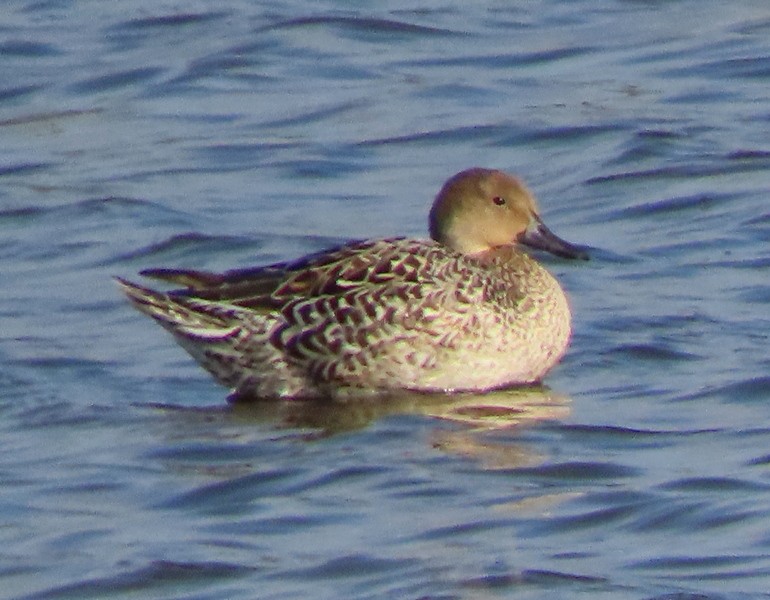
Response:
column 538, row 236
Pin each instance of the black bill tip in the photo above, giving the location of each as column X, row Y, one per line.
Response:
column 539, row 237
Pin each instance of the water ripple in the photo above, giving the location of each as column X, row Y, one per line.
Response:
column 48, row 117
column 534, row 578
column 16, row 92
column 23, row 169
column 112, row 81
column 682, row 171
column 188, row 244
column 661, row 351
column 747, row 67
column 173, row 20
column 368, row 26
column 581, row 471
column 440, row 136
column 28, row 49
column 751, row 389
column 235, row 495
column 155, row 578
column 713, row 484
column 501, row 60
column 701, row 202
column 355, row 566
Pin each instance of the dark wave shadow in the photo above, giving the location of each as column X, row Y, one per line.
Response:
column 369, row 26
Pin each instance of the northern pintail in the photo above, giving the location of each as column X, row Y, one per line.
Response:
column 467, row 310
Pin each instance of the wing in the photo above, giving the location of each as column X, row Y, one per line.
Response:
column 356, row 266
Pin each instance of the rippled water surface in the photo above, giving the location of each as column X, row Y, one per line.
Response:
column 140, row 134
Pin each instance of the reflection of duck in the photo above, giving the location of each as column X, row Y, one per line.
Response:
column 465, row 311
column 477, row 426
column 476, row 412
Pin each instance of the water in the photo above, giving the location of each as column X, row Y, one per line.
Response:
column 145, row 134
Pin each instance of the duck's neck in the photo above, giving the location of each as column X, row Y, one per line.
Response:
column 510, row 263
column 500, row 255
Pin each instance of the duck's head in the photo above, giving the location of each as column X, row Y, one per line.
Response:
column 481, row 209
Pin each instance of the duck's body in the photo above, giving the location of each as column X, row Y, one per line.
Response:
column 427, row 315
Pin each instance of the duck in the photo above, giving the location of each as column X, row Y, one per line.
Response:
column 468, row 310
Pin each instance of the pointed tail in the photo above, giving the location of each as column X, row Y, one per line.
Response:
column 186, row 317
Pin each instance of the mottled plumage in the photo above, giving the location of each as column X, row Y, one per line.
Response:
column 467, row 310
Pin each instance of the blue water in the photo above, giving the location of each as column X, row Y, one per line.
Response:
column 142, row 134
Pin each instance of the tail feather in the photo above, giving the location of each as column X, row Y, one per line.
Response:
column 183, row 316
column 188, row 278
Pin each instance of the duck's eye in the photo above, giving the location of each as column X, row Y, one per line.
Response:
column 499, row 200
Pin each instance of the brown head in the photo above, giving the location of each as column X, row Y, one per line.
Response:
column 480, row 209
